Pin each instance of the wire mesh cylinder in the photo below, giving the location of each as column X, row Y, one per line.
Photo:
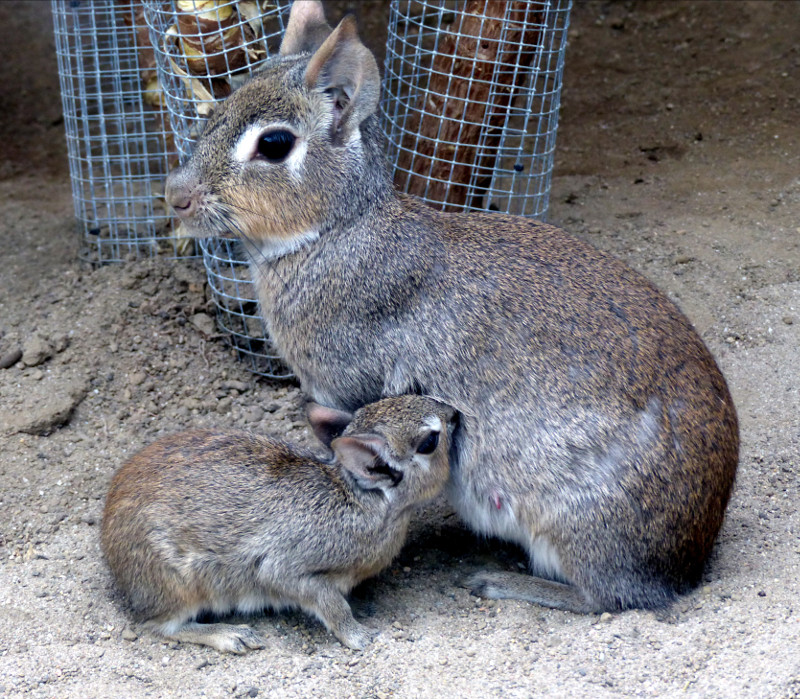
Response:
column 118, row 136
column 471, row 101
column 235, row 297
column 203, row 49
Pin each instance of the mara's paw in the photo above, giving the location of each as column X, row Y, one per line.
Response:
column 356, row 636
column 234, row 639
column 487, row 585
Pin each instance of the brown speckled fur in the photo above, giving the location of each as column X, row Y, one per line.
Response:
column 223, row 520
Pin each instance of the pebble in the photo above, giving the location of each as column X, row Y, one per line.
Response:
column 43, row 417
column 789, row 320
column 129, row 635
column 137, row 378
column 204, row 323
column 240, row 386
column 9, row 359
column 36, row 350
column 191, row 403
column 253, row 414
column 606, row 617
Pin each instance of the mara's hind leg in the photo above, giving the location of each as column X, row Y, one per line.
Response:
column 226, row 638
column 529, row 588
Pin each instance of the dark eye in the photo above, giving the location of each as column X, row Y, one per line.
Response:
column 429, row 444
column 276, row 145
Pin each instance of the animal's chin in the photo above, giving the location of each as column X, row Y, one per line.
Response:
column 198, row 230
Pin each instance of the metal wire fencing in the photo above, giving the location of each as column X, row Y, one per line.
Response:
column 471, row 101
column 119, row 142
column 203, row 49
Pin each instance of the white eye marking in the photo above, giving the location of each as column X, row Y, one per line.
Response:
column 433, row 423
column 297, row 156
column 247, row 145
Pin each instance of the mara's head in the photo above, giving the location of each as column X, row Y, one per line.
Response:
column 277, row 158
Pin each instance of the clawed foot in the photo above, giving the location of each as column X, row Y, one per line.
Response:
column 356, row 636
column 226, row 638
column 486, row 585
column 237, row 639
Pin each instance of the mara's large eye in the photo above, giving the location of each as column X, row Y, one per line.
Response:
column 276, row 145
column 429, row 444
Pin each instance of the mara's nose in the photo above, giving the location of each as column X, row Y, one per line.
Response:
column 181, row 192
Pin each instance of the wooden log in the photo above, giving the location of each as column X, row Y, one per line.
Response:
column 480, row 63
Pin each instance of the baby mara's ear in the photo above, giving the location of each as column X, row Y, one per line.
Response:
column 345, row 69
column 327, row 423
column 361, row 456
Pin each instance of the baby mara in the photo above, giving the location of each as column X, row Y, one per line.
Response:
column 213, row 521
column 596, row 429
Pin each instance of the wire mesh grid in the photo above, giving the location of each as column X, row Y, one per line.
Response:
column 235, row 297
column 203, row 49
column 118, row 139
column 471, row 101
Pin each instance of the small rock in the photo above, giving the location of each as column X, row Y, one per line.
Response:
column 253, row 414
column 606, row 617
column 9, row 359
column 191, row 403
column 204, row 323
column 43, row 416
column 60, row 342
column 36, row 350
column 240, row 386
column 789, row 320
column 137, row 378
column 128, row 635
column 683, row 259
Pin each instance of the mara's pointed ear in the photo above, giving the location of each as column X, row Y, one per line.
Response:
column 361, row 456
column 327, row 423
column 346, row 69
column 306, row 30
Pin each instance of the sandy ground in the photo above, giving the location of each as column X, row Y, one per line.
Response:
column 678, row 152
